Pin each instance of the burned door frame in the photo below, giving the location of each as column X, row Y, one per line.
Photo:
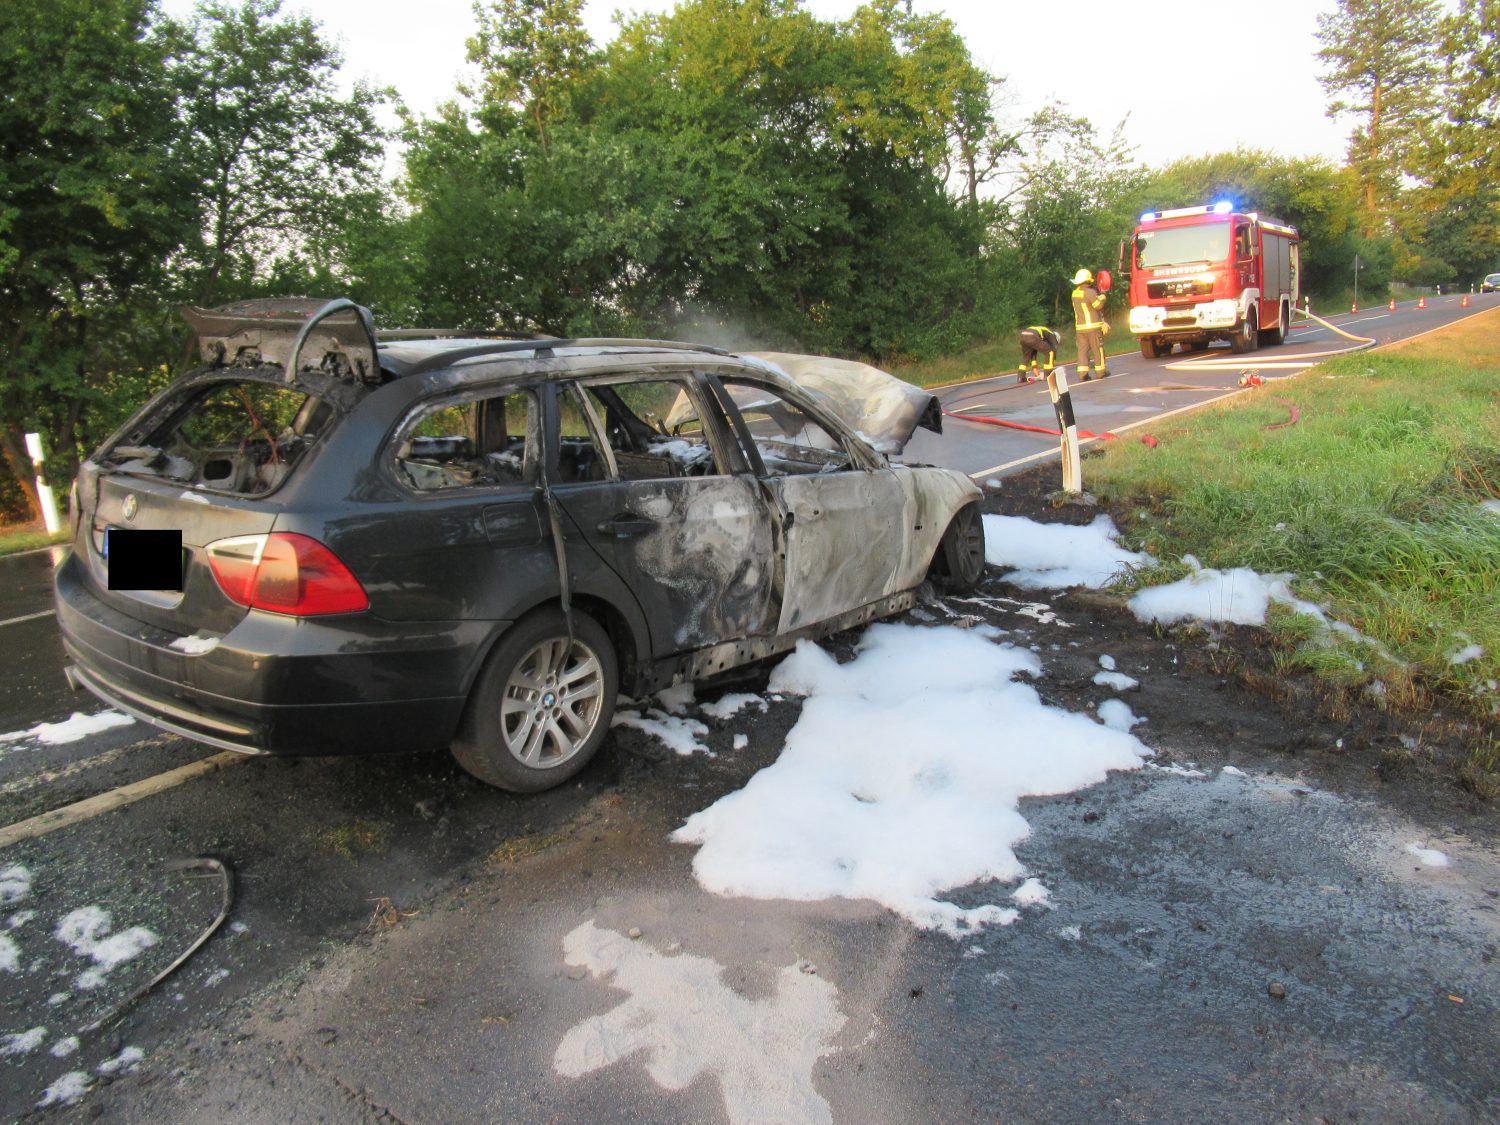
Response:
column 697, row 552
column 833, row 555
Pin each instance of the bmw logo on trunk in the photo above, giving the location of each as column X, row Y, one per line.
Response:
column 131, row 504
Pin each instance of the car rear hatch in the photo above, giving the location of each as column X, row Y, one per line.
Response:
column 206, row 462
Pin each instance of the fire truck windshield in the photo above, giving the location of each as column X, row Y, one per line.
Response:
column 1181, row 246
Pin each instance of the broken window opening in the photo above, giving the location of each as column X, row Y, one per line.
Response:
column 635, row 422
column 476, row 442
column 237, row 436
column 790, row 440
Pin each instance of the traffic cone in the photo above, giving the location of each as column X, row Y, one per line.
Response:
column 1392, row 305
column 1421, row 302
column 1354, row 308
column 1464, row 303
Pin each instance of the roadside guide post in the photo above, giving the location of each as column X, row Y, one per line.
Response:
column 1062, row 404
column 43, row 490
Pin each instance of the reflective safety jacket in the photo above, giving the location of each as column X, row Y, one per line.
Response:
column 1087, row 305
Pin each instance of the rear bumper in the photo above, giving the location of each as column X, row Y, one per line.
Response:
column 278, row 685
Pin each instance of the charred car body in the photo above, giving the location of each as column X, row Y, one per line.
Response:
column 425, row 541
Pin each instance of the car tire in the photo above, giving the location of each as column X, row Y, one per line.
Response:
column 958, row 564
column 542, row 703
column 1246, row 336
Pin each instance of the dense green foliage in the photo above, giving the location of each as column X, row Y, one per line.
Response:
column 736, row 171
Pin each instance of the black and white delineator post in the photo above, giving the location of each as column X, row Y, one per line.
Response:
column 43, row 491
column 1062, row 403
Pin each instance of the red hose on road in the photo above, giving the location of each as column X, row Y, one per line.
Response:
column 988, row 421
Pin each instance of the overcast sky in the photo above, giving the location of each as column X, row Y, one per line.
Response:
column 1187, row 79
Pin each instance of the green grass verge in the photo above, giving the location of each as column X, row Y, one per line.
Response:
column 1373, row 500
column 27, row 537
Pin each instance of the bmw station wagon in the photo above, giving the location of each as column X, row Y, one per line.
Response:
column 404, row 541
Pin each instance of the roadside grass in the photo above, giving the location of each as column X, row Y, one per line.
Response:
column 15, row 538
column 1373, row 500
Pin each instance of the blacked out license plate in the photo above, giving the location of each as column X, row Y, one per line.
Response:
column 143, row 560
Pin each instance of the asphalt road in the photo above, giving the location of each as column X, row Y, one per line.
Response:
column 398, row 940
column 1140, row 391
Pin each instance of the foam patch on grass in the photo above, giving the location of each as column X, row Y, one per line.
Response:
column 901, row 779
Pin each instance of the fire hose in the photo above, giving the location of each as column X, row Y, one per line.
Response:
column 989, row 421
column 1291, row 360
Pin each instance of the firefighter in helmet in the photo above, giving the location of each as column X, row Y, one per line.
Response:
column 1088, row 318
column 1036, row 341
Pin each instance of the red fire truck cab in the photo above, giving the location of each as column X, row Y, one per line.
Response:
column 1201, row 274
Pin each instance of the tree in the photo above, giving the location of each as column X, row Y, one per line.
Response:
column 731, row 168
column 1381, row 59
column 1319, row 199
column 1454, row 215
column 278, row 154
column 532, row 54
column 92, row 200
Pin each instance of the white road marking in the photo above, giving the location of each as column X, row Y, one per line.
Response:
column 80, row 811
column 28, row 617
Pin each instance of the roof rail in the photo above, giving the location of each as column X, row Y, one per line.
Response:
column 449, row 333
column 504, row 347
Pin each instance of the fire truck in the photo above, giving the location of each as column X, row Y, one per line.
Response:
column 1209, row 273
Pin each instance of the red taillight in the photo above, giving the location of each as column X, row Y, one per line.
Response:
column 285, row 573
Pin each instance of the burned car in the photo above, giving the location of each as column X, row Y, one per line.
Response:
column 360, row 542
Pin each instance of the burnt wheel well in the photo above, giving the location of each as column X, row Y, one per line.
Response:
column 620, row 635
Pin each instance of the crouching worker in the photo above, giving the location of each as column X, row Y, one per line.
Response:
column 1037, row 341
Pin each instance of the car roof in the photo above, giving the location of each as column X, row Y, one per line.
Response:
column 399, row 358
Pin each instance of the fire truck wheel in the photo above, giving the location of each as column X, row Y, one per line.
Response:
column 1276, row 334
column 1151, row 349
column 1246, row 336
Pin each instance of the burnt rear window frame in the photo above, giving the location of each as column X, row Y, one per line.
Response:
column 166, row 411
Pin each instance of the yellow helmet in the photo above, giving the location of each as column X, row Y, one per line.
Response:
column 1082, row 277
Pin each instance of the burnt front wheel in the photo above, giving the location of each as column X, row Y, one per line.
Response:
column 541, row 705
column 959, row 562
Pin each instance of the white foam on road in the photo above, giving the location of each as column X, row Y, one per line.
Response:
column 22, row 1042
column 902, row 777
column 728, row 706
column 15, row 883
column 677, row 733
column 687, row 1023
column 72, row 729
column 87, row 932
column 1051, row 556
column 1117, row 715
column 1116, row 681
column 67, row 1090
column 1429, row 857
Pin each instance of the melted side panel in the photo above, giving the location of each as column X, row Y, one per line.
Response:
column 932, row 498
